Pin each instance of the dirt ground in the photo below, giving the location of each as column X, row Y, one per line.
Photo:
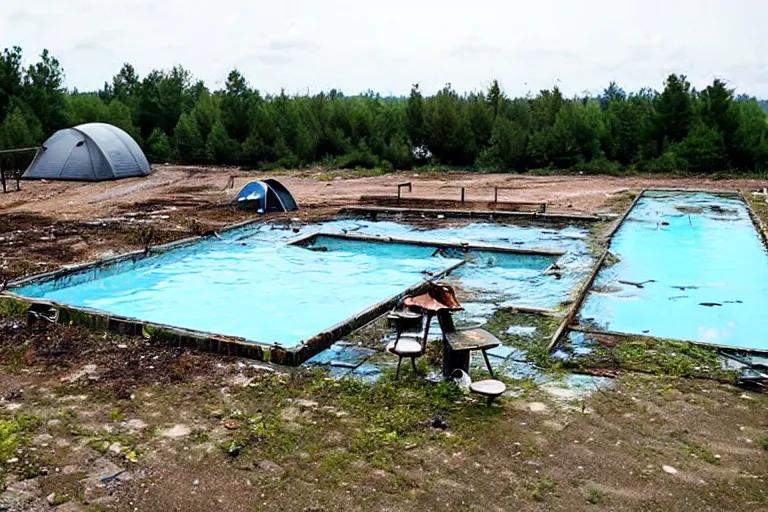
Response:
column 93, row 421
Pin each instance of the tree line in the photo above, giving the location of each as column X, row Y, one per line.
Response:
column 176, row 118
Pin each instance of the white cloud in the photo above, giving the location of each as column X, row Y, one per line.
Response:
column 305, row 45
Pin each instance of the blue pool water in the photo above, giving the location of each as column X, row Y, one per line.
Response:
column 706, row 267
column 252, row 284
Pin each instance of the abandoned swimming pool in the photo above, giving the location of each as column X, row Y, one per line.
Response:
column 686, row 266
column 254, row 283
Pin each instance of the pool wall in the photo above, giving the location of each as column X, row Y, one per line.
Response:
column 374, row 211
column 756, row 220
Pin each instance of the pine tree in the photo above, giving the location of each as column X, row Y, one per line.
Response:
column 158, row 147
column 189, row 142
column 220, row 147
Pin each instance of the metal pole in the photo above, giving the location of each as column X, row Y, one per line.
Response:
column 462, row 194
column 495, row 194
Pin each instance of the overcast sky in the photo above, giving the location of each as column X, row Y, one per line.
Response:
column 386, row 46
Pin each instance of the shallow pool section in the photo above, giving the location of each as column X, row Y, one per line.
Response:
column 257, row 292
column 253, row 284
column 691, row 266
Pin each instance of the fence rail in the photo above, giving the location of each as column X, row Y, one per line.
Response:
column 13, row 163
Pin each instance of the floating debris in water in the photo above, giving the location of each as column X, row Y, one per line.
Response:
column 341, row 355
column 639, row 285
column 521, row 330
column 506, row 352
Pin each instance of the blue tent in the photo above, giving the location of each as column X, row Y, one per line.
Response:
column 266, row 196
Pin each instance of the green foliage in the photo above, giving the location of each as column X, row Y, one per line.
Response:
column 701, row 451
column 662, row 357
column 703, row 149
column 176, row 117
column 668, row 162
column 189, row 142
column 20, row 130
column 595, row 496
column 448, row 133
column 14, row 433
column 220, row 147
column 234, row 106
column 508, row 146
column 541, row 488
column 362, row 156
column 206, row 113
column 11, row 307
column 675, row 109
column 415, row 117
column 158, row 147
column 10, row 78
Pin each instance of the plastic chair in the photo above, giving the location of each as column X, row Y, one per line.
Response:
column 409, row 346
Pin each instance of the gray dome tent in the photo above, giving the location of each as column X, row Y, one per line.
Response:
column 89, row 152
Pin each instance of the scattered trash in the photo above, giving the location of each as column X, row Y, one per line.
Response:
column 461, row 379
column 438, row 422
column 109, row 478
column 230, row 424
column 234, row 449
column 639, row 285
column 669, row 469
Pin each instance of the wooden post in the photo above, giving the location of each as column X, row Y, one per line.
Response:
column 495, row 194
column 400, row 187
column 18, row 170
column 2, row 175
column 462, row 194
